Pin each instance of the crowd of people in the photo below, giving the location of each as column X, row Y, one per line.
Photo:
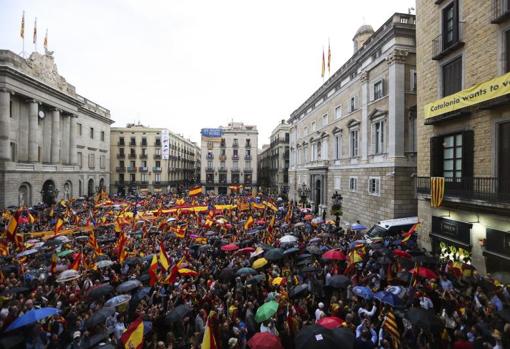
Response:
column 168, row 271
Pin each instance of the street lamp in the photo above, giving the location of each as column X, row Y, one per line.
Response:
column 303, row 193
column 336, row 208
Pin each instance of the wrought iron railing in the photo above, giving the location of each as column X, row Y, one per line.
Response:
column 500, row 11
column 442, row 45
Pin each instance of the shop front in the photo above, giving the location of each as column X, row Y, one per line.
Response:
column 497, row 251
column 451, row 239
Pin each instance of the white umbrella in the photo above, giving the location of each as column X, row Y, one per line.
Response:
column 26, row 253
column 288, row 239
column 104, row 264
column 257, row 252
column 68, row 275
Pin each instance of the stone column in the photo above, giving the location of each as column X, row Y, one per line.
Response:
column 5, row 125
column 33, row 150
column 55, row 136
column 64, row 139
column 364, row 134
column 72, row 140
column 396, row 102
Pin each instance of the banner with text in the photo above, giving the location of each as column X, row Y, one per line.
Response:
column 165, row 145
column 478, row 93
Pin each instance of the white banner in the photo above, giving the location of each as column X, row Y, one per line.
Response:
column 165, row 145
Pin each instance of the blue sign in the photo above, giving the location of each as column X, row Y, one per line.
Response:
column 211, row 132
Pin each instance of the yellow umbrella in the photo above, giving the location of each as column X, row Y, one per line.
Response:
column 277, row 281
column 259, row 263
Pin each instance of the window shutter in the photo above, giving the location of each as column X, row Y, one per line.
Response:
column 371, row 92
column 436, row 157
column 411, row 80
column 467, row 153
column 383, row 84
column 355, row 102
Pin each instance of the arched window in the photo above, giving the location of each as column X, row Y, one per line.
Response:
column 68, row 190
column 25, row 195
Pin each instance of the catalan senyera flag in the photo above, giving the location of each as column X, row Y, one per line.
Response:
column 436, row 191
column 271, row 206
column 180, row 232
column 270, row 227
column 19, row 240
column 22, row 29
column 208, row 341
column 258, row 206
column 407, row 236
column 53, row 268
column 329, row 58
column 132, row 338
column 163, row 257
column 4, row 248
column 323, row 70
column 391, row 327
column 195, row 191
column 122, row 248
column 249, row 222
column 77, row 262
column 11, row 228
column 94, row 244
column 59, row 225
column 46, row 40
column 152, row 271
column 34, row 39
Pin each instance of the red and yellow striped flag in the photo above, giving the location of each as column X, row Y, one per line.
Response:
column 59, row 225
column 22, row 29
column 195, row 191
column 436, row 191
column 11, row 228
column 249, row 223
column 209, row 341
column 163, row 257
column 391, row 327
column 132, row 338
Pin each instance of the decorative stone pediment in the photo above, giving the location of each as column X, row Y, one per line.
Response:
column 336, row 130
column 353, row 123
column 377, row 113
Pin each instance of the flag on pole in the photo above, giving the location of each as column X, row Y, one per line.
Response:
column 77, row 262
column 407, row 236
column 11, row 228
column 53, row 268
column 163, row 257
column 22, row 29
column 329, row 58
column 249, row 222
column 59, row 225
column 208, row 342
column 152, row 271
column 46, row 40
column 391, row 327
column 132, row 338
column 323, row 71
column 34, row 40
column 195, row 191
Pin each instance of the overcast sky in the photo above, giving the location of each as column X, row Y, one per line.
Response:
column 187, row 64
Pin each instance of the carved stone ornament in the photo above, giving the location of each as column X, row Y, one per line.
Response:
column 397, row 56
column 43, row 67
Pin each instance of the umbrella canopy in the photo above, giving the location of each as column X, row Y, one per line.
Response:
column 128, row 286
column 357, row 226
column 318, row 337
column 404, row 276
column 290, row 251
column 309, row 269
column 314, row 249
column 274, row 254
column 246, row 271
column 288, row 239
column 117, row 300
column 133, row 260
column 178, row 313
column 363, row 292
column 277, row 281
column 227, row 274
column 104, row 264
column 68, row 275
column 387, row 298
column 259, row 263
column 257, row 279
column 422, row 318
column 503, row 277
column 99, row 317
column 26, row 253
column 339, row 281
column 265, row 340
column 266, row 310
column 229, row 247
column 403, row 254
column 100, row 291
column 245, row 250
column 31, row 317
column 334, row 255
column 64, row 253
column 298, row 291
column 424, row 272
column 330, row 322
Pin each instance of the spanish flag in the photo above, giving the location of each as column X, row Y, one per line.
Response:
column 271, row 206
column 163, row 257
column 258, row 206
column 77, row 262
column 31, row 218
column 195, row 191
column 53, row 267
column 208, row 342
column 172, row 275
column 59, row 225
column 11, row 228
column 249, row 222
column 323, row 70
column 436, row 191
column 132, row 338
column 152, row 271
column 407, row 236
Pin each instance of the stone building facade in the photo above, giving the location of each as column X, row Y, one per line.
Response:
column 140, row 164
column 54, row 143
column 463, row 50
column 229, row 158
column 356, row 134
column 274, row 162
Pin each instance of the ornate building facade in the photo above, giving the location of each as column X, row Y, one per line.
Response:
column 356, row 136
column 54, row 143
column 151, row 159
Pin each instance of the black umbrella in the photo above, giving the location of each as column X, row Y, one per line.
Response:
column 346, row 336
column 298, row 291
column 102, row 257
column 422, row 318
column 304, row 262
column 100, row 291
column 339, row 281
column 290, row 251
column 92, row 341
column 274, row 254
column 128, row 286
column 227, row 274
column 15, row 341
column 309, row 269
column 313, row 249
column 304, row 256
column 53, row 243
column 99, row 317
column 257, row 279
column 318, row 337
column 404, row 276
column 178, row 313
column 144, row 277
column 133, row 261
column 384, row 260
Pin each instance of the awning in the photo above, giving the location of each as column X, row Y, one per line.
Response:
column 456, row 242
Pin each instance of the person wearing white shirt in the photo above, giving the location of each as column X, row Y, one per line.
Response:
column 319, row 312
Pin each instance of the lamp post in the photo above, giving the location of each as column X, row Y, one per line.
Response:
column 303, row 191
column 336, row 208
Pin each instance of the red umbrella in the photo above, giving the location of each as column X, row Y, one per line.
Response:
column 424, row 272
column 245, row 250
column 261, row 222
column 229, row 247
column 264, row 340
column 308, row 217
column 401, row 253
column 334, row 255
column 330, row 322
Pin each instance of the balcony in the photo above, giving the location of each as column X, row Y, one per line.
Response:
column 131, row 169
column 500, row 11
column 209, row 157
column 121, row 156
column 488, row 189
column 157, row 143
column 235, row 157
column 120, row 169
column 247, row 157
column 144, row 183
column 248, row 170
column 223, row 157
column 143, row 156
column 132, row 155
column 441, row 46
column 157, row 156
column 156, row 169
column 144, row 142
column 247, row 145
column 247, row 181
column 132, row 144
column 222, row 169
column 121, row 143
column 235, row 145
column 209, row 169
column 234, row 170
column 317, row 164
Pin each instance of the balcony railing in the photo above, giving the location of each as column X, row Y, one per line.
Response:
column 143, row 169
column 209, row 156
column 500, row 11
column 131, row 169
column 248, row 169
column 120, row 169
column 494, row 190
column 157, row 156
column 209, row 169
column 222, row 169
column 235, row 170
column 247, row 145
column 132, row 144
column 143, row 156
column 121, row 144
column 121, row 156
column 247, row 157
column 223, row 157
column 132, row 155
column 235, row 157
column 235, row 145
column 442, row 45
